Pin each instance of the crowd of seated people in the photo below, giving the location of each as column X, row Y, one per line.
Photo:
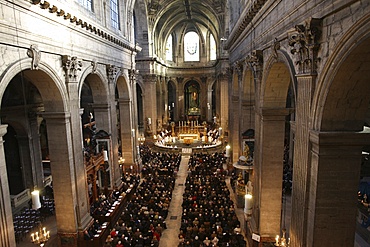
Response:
column 143, row 220
column 104, row 203
column 209, row 217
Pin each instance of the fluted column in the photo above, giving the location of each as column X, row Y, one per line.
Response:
column 6, row 219
column 304, row 48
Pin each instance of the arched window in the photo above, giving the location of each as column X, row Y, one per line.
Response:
column 86, row 3
column 114, row 13
column 191, row 46
column 169, row 54
column 212, row 48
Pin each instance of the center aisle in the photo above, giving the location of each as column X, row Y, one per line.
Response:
column 169, row 236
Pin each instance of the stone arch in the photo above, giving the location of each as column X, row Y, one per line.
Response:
column 45, row 79
column 342, row 98
column 99, row 86
column 123, row 87
column 277, row 77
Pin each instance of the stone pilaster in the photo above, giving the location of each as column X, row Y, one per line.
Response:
column 223, row 83
column 304, row 46
column 72, row 67
column 6, row 219
column 335, row 163
column 234, row 114
column 69, row 181
column 35, row 151
column 126, row 135
column 150, row 101
column 269, row 171
column 112, row 73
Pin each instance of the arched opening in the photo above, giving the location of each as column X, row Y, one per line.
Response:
column 172, row 103
column 192, row 99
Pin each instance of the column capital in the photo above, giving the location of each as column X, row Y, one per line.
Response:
column 304, row 40
column 112, row 72
column 255, row 60
column 71, row 66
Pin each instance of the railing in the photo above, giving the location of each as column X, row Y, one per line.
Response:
column 17, row 200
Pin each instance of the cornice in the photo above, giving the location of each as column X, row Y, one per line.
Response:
column 45, row 5
column 248, row 13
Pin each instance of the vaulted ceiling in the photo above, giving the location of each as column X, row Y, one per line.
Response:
column 166, row 16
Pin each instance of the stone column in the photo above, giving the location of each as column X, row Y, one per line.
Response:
column 235, row 112
column 66, row 178
column 180, row 99
column 35, row 151
column 112, row 72
column 150, row 102
column 102, row 115
column 224, row 99
column 76, row 164
column 6, row 219
column 209, row 105
column 335, row 162
column 304, row 43
column 269, row 170
column 126, row 135
column 28, row 172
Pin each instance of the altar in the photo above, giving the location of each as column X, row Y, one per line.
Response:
column 189, row 136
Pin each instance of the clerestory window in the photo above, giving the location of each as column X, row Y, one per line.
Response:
column 191, row 46
column 88, row 4
column 114, row 13
column 212, row 48
column 169, row 51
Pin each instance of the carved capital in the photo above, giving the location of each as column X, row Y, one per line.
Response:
column 112, row 72
column 238, row 68
column 305, row 46
column 203, row 79
column 34, row 53
column 179, row 79
column 151, row 78
column 71, row 65
column 255, row 60
column 275, row 47
column 94, row 66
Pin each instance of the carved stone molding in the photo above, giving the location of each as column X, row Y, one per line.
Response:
column 305, row 46
column 203, row 79
column 150, row 78
column 275, row 47
column 94, row 65
column 112, row 72
column 71, row 66
column 34, row 53
column 179, row 79
column 238, row 67
column 53, row 9
column 255, row 60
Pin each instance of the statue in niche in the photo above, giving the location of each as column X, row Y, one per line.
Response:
column 194, row 99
